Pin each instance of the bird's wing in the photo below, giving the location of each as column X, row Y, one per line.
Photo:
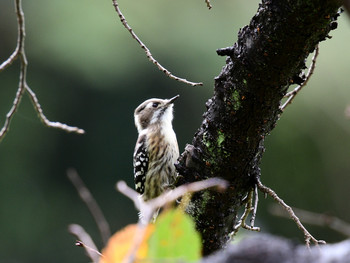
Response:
column 141, row 160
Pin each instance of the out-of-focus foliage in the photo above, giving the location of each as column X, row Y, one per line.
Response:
column 175, row 238
column 123, row 241
column 172, row 237
column 87, row 71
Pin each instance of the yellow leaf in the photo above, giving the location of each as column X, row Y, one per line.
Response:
column 119, row 245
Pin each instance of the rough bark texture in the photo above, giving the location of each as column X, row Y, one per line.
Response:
column 267, row 58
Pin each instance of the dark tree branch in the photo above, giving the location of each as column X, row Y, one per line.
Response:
column 267, row 58
column 270, row 249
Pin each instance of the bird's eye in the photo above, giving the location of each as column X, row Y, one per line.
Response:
column 155, row 104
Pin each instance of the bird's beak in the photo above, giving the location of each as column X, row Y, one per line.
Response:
column 171, row 101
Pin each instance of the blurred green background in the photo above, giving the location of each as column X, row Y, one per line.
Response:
column 88, row 72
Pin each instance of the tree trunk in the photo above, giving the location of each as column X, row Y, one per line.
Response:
column 268, row 57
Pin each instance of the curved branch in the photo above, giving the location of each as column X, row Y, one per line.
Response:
column 23, row 86
column 19, row 52
column 148, row 52
column 307, row 236
column 291, row 95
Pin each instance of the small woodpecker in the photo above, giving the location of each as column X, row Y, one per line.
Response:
column 156, row 149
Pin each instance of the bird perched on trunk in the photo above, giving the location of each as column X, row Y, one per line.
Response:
column 156, row 149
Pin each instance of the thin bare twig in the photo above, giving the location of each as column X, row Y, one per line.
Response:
column 291, row 95
column 307, row 236
column 10, row 59
column 23, row 86
column 85, row 241
column 91, row 203
column 19, row 52
column 122, row 187
column 176, row 193
column 208, row 4
column 147, row 51
column 43, row 118
column 247, row 210
column 20, row 38
column 148, row 208
column 255, row 208
column 316, row 219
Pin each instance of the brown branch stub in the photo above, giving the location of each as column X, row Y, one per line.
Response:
column 147, row 51
column 307, row 236
column 23, row 86
column 291, row 95
column 208, row 4
column 91, row 204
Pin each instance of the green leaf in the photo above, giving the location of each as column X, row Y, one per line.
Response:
column 175, row 238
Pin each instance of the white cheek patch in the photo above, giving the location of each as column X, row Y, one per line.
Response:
column 167, row 117
column 155, row 116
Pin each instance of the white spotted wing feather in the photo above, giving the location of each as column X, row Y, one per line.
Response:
column 141, row 160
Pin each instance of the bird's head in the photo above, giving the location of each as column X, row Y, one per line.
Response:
column 154, row 112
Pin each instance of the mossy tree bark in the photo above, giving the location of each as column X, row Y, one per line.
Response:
column 268, row 57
